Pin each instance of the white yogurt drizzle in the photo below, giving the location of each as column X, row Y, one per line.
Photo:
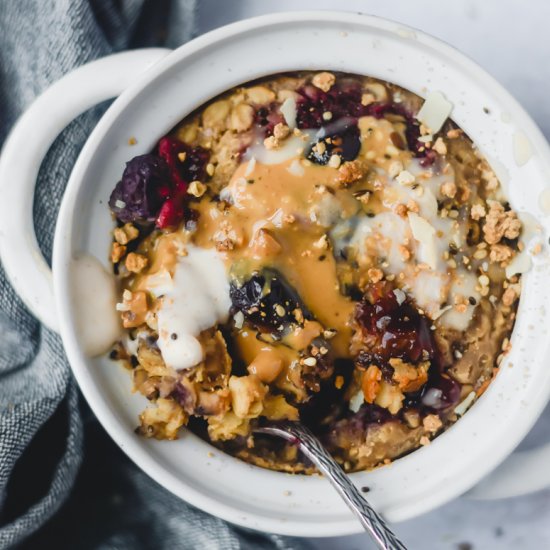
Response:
column 428, row 236
column 93, row 293
column 193, row 300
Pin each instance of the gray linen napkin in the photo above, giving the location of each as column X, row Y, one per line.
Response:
column 43, row 438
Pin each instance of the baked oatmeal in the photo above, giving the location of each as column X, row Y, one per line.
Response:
column 321, row 247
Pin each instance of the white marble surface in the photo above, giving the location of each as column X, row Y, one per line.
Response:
column 511, row 40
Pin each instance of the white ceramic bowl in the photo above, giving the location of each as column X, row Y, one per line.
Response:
column 150, row 104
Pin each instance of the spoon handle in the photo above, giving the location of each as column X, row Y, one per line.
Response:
column 312, row 448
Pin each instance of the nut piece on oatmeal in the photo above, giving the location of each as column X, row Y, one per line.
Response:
column 477, row 212
column 375, row 275
column 349, row 172
column 123, row 235
column 242, row 117
column 117, row 252
column 439, row 146
column 196, row 189
column 226, row 237
column 271, row 143
column 509, row 296
column 281, row 131
column 162, row 421
column 215, row 115
column 432, row 423
column 367, row 99
column 500, row 253
column 247, row 394
column 500, row 223
column 370, row 383
column 324, row 81
column 260, row 95
column 409, row 378
column 448, row 189
column 389, row 397
column 136, row 262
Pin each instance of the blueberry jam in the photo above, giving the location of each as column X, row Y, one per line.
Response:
column 268, row 302
column 138, row 196
column 398, row 330
column 342, row 100
column 392, row 329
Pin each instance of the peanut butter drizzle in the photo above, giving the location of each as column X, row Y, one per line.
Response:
column 272, row 223
column 283, row 205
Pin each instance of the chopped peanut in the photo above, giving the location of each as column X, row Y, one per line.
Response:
column 500, row 223
column 375, row 274
column 454, row 133
column 477, row 212
column 117, row 252
column 448, row 189
column 439, row 146
column 271, row 142
column 247, row 393
column 370, row 383
column 349, row 172
column 136, row 262
column 432, row 423
column 390, row 397
column 123, row 235
column 500, row 253
column 196, row 189
column 409, row 377
column 324, row 81
column 281, row 131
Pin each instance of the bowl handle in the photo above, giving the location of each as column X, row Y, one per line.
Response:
column 22, row 155
column 521, row 473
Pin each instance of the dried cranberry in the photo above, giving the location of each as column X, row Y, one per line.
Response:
column 391, row 329
column 185, row 164
column 172, row 211
column 192, row 167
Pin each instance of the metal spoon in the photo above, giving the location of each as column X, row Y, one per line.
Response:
column 312, row 448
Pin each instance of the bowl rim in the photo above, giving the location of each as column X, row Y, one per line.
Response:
column 61, row 259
